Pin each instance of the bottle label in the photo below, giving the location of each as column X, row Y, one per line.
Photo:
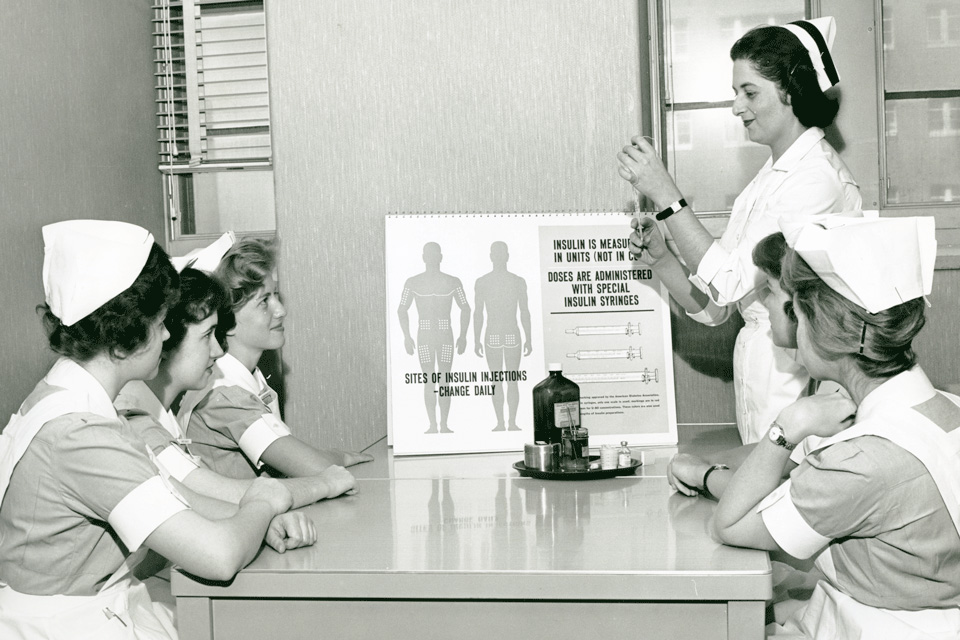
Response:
column 566, row 414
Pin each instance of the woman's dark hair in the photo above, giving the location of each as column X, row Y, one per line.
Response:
column 121, row 325
column 245, row 267
column 880, row 343
column 201, row 296
column 778, row 56
column 768, row 254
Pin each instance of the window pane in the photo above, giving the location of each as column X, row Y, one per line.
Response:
column 716, row 160
column 921, row 46
column 220, row 200
column 707, row 148
column 699, row 38
column 923, row 150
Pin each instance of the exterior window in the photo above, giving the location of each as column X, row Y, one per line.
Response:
column 921, row 102
column 214, row 116
column 888, row 29
column 943, row 25
column 890, row 119
column 944, row 117
column 945, row 193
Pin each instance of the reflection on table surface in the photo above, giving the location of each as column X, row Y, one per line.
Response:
column 692, row 438
column 507, row 524
column 468, row 526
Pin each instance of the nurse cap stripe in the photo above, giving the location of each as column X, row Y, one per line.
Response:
column 818, row 47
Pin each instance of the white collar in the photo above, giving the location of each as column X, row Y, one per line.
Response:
column 67, row 374
column 137, row 395
column 800, row 147
column 907, row 389
column 235, row 371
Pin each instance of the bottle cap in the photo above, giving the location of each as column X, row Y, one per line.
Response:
column 554, row 366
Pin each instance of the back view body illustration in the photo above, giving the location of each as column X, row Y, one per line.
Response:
column 502, row 294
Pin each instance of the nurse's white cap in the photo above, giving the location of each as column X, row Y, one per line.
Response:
column 87, row 263
column 209, row 257
column 875, row 263
column 816, row 36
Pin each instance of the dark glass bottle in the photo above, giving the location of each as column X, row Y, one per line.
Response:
column 556, row 405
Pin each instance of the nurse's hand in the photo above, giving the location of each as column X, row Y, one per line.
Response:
column 339, row 481
column 640, row 165
column 351, row 458
column 817, row 415
column 290, row 531
column 685, row 472
column 271, row 491
column 646, row 243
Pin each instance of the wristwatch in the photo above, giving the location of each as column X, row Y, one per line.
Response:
column 672, row 209
column 776, row 437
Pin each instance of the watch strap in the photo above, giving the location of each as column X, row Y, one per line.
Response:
column 672, row 209
column 706, row 475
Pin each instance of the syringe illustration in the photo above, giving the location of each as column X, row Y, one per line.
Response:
column 646, row 376
column 607, row 330
column 606, row 354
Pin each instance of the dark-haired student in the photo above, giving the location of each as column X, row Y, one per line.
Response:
column 780, row 74
column 189, row 357
column 234, row 422
column 82, row 497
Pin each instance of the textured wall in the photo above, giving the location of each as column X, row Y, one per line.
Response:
column 78, row 139
column 436, row 106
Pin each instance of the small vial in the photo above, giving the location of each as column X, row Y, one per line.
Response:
column 623, row 459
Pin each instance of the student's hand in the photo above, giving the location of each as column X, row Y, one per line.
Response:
column 289, row 531
column 685, row 472
column 271, row 491
column 339, row 481
column 646, row 243
column 351, row 458
column 640, row 165
column 817, row 415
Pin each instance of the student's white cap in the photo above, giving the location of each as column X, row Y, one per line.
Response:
column 876, row 263
column 816, row 36
column 791, row 226
column 209, row 257
column 87, row 263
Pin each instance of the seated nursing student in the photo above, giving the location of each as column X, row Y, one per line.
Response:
column 688, row 473
column 81, row 496
column 189, row 354
column 234, row 422
column 876, row 502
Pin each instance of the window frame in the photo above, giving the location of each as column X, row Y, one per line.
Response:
column 191, row 98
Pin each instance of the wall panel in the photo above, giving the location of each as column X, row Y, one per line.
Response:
column 425, row 106
column 79, row 140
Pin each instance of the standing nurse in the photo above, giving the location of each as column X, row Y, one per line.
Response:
column 779, row 78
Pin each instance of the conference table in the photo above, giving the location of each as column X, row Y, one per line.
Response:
column 462, row 546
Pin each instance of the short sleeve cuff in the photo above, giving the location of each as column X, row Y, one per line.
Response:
column 711, row 263
column 260, row 435
column 787, row 527
column 142, row 510
column 176, row 462
column 711, row 315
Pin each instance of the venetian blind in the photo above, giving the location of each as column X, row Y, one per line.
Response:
column 211, row 72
